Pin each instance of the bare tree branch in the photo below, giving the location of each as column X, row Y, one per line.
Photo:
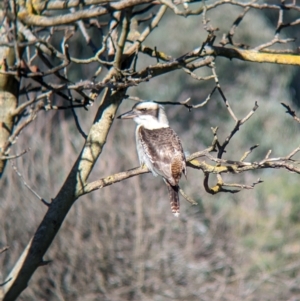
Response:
column 31, row 19
column 223, row 166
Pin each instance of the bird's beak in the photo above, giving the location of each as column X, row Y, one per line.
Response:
column 128, row 115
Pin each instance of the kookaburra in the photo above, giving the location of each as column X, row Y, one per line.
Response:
column 158, row 146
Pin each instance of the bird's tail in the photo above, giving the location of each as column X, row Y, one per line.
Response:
column 174, row 198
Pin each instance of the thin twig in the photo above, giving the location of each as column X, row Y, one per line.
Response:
column 80, row 130
column 4, row 249
column 122, row 39
column 222, row 94
column 291, row 112
column 153, row 24
column 246, row 154
column 188, row 198
column 5, row 282
column 14, row 156
column 24, row 182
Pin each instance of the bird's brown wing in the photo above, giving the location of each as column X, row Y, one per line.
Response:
column 164, row 150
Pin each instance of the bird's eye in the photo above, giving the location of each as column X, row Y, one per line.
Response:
column 143, row 110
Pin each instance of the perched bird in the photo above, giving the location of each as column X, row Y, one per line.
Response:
column 158, row 146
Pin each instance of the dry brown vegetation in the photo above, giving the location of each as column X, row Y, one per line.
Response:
column 121, row 242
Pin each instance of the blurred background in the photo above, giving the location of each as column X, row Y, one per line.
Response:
column 122, row 242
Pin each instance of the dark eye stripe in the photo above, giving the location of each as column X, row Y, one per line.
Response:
column 152, row 112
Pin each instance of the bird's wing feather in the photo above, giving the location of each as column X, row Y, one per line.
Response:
column 164, row 150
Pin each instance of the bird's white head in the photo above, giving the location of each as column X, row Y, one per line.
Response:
column 149, row 114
